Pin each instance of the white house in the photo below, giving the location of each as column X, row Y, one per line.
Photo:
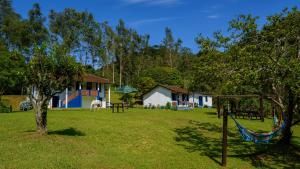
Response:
column 160, row 95
column 201, row 100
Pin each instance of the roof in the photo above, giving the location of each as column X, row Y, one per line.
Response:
column 175, row 89
column 94, row 78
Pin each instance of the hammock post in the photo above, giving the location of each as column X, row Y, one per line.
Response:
column 224, row 146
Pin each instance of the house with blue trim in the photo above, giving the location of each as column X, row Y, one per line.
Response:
column 82, row 93
column 177, row 96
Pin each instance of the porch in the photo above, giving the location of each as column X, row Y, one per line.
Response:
column 83, row 93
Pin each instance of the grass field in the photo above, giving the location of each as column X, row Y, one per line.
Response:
column 137, row 138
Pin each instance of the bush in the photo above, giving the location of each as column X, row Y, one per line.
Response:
column 174, row 108
column 205, row 106
column 168, row 105
column 4, row 108
column 25, row 105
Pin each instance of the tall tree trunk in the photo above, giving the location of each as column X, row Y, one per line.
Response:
column 287, row 133
column 41, row 117
column 171, row 61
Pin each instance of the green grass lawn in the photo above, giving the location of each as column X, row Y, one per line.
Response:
column 137, row 138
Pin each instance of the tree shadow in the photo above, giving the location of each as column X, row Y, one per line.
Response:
column 211, row 113
column 67, row 132
column 205, row 138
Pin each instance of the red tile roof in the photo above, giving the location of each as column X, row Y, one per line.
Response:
column 94, row 78
column 176, row 89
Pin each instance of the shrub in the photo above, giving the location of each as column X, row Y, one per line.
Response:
column 168, row 105
column 4, row 108
column 205, row 106
column 174, row 108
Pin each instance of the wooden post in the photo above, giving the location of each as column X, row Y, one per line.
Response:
column 261, row 108
column 218, row 106
column 224, row 146
column 118, row 108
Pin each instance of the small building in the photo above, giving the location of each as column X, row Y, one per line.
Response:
column 200, row 100
column 160, row 95
column 83, row 93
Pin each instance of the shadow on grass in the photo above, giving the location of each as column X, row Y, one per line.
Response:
column 211, row 113
column 205, row 138
column 67, row 132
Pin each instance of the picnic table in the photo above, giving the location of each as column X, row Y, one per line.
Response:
column 118, row 106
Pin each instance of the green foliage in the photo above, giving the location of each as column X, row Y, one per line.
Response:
column 168, row 105
column 144, row 84
column 258, row 61
column 80, row 34
column 164, row 75
column 51, row 70
column 11, row 73
column 4, row 107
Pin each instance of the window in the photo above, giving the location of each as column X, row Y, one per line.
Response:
column 185, row 97
column 77, row 85
column 206, row 99
column 174, row 97
column 89, row 85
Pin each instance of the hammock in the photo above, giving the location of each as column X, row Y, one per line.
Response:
column 257, row 138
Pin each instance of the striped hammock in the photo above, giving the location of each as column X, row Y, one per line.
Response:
column 257, row 138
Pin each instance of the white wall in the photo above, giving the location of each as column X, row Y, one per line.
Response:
column 194, row 97
column 102, row 95
column 208, row 102
column 158, row 96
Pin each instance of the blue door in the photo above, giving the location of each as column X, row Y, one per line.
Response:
column 200, row 101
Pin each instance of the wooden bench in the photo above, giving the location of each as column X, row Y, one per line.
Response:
column 118, row 106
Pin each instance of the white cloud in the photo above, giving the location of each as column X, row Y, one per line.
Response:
column 153, row 2
column 153, row 20
column 215, row 16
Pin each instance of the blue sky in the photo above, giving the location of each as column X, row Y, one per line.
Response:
column 186, row 18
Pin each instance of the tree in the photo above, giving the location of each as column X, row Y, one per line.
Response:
column 171, row 47
column 144, row 84
column 79, row 34
column 264, row 62
column 37, row 31
column 11, row 73
column 164, row 75
column 49, row 71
